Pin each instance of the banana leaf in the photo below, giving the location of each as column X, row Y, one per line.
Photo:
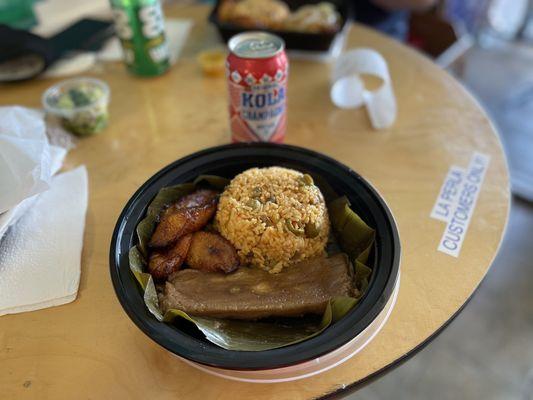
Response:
column 354, row 235
column 213, row 181
column 257, row 335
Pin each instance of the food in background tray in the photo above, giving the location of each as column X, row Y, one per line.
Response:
column 254, row 13
column 314, row 18
column 274, row 14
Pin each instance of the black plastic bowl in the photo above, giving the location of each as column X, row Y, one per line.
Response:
column 228, row 161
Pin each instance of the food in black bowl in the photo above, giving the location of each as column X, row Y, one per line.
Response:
column 261, row 256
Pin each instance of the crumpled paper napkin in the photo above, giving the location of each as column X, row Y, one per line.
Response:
column 27, row 161
column 10, row 217
column 41, row 233
column 25, row 164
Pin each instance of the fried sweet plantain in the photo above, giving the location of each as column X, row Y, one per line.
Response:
column 188, row 215
column 210, row 252
column 199, row 198
column 163, row 263
column 179, row 222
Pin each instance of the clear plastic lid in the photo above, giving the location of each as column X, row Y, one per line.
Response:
column 94, row 91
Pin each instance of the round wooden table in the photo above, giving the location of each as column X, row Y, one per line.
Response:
column 90, row 349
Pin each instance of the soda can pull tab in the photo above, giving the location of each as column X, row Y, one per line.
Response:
column 348, row 90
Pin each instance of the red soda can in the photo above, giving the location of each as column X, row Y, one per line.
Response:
column 257, row 69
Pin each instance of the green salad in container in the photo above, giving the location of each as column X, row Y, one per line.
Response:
column 80, row 103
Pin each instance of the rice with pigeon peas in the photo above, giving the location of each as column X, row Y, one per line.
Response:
column 274, row 217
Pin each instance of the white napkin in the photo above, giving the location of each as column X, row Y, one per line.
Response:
column 55, row 15
column 40, row 256
column 25, row 164
column 348, row 89
column 9, row 218
column 27, row 161
column 176, row 31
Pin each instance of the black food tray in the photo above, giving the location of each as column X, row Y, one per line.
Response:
column 320, row 42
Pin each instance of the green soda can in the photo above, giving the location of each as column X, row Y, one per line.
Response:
column 140, row 26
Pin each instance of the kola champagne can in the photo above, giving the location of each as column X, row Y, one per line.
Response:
column 257, row 70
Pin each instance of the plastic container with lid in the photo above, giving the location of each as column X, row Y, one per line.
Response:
column 80, row 103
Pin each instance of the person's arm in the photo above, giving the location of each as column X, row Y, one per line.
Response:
column 414, row 5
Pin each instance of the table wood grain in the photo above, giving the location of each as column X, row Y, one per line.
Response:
column 90, row 349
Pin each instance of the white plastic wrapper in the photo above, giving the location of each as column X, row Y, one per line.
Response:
column 25, row 161
column 348, row 89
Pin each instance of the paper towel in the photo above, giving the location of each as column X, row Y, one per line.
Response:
column 40, row 256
